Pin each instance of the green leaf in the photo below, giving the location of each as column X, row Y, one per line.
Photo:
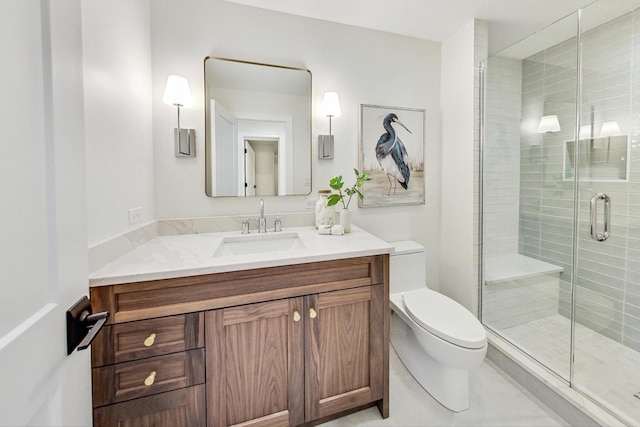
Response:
column 333, row 199
column 336, row 183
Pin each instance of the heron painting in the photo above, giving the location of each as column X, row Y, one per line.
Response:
column 392, row 151
column 392, row 154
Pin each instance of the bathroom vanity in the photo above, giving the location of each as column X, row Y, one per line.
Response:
column 201, row 333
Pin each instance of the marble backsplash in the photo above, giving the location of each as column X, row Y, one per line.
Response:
column 107, row 251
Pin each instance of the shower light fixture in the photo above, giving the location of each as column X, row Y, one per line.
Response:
column 178, row 94
column 610, row 129
column 548, row 123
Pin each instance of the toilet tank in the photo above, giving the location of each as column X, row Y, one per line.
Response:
column 407, row 267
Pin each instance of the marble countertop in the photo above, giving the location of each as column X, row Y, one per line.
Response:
column 194, row 254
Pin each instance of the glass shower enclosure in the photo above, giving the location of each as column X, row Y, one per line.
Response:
column 561, row 201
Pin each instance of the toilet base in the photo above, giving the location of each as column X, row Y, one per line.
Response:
column 448, row 385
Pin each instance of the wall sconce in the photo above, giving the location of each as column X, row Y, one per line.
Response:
column 548, row 123
column 330, row 108
column 611, row 128
column 178, row 94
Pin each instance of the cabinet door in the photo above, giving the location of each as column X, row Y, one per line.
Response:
column 255, row 364
column 344, row 333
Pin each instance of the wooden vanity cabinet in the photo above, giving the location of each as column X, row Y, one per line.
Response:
column 281, row 346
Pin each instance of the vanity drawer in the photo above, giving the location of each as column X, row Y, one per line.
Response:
column 178, row 408
column 123, row 342
column 130, row 380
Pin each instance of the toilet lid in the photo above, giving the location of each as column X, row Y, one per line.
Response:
column 444, row 318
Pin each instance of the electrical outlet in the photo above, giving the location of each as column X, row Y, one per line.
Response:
column 135, row 215
column 310, row 202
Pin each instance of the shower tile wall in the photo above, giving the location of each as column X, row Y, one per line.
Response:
column 502, row 156
column 546, row 199
column 608, row 293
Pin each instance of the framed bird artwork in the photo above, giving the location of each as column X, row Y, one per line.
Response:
column 392, row 152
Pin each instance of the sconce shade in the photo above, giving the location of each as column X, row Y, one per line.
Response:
column 610, row 129
column 331, row 105
column 177, row 92
column 549, row 123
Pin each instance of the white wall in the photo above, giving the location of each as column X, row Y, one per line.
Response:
column 363, row 66
column 118, row 127
column 457, row 218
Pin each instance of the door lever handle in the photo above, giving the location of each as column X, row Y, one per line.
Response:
column 82, row 325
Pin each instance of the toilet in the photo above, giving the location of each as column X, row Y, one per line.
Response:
column 438, row 340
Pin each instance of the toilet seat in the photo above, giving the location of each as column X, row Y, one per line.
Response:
column 445, row 318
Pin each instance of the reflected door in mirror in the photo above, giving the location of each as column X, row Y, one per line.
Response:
column 269, row 106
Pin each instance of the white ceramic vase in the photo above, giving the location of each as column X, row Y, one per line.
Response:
column 345, row 220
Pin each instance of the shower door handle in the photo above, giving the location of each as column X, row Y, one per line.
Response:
column 600, row 237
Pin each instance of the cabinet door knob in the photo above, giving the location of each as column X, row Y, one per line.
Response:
column 312, row 313
column 296, row 316
column 150, row 379
column 150, row 340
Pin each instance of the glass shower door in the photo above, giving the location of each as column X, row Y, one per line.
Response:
column 607, row 285
column 529, row 114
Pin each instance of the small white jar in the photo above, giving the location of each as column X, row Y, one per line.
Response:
column 325, row 215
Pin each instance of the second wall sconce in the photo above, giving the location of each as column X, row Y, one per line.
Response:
column 611, row 128
column 330, row 108
column 178, row 94
column 549, row 123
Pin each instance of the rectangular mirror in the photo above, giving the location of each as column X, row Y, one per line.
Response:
column 258, row 129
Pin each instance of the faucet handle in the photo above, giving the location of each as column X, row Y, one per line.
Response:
column 245, row 226
column 277, row 225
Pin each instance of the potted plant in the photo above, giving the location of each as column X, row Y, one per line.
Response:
column 336, row 183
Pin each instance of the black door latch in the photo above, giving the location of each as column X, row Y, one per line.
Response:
column 83, row 325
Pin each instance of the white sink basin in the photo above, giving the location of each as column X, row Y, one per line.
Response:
column 259, row 243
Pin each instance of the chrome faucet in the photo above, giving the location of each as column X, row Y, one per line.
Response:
column 262, row 221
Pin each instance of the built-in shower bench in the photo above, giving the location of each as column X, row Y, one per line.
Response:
column 518, row 289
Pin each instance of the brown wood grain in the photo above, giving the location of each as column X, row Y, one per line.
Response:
column 262, row 367
column 345, row 346
column 159, row 298
column 125, row 381
column 344, row 341
column 253, row 357
column 216, row 375
column 279, row 419
column 180, row 408
column 126, row 341
column 233, row 300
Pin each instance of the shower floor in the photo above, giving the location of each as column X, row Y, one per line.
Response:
column 604, row 369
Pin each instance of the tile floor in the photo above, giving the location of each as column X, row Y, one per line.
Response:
column 496, row 400
column 604, row 368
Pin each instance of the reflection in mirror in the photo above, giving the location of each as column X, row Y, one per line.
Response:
column 601, row 159
column 258, row 129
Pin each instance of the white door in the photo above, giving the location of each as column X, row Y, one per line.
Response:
column 43, row 237
column 249, row 170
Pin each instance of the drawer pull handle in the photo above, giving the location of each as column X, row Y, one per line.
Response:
column 150, row 379
column 312, row 313
column 296, row 316
column 150, row 340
